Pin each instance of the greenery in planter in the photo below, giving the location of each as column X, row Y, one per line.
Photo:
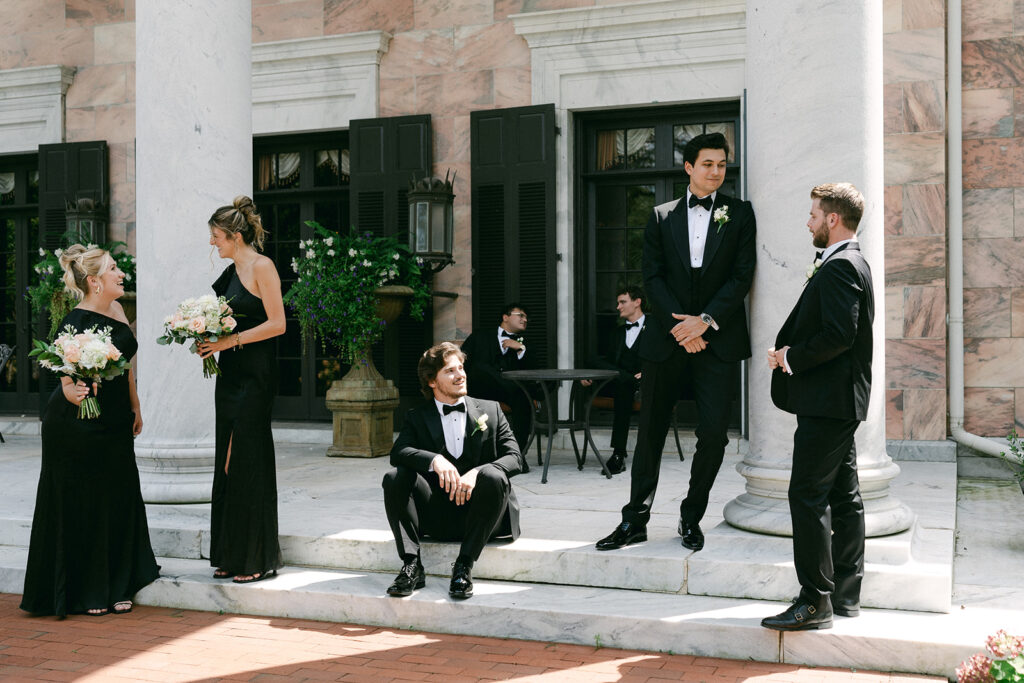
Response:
column 334, row 297
column 1017, row 453
column 47, row 293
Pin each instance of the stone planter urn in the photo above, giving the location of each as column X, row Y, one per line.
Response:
column 363, row 401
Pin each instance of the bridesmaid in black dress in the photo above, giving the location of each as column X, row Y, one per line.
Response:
column 90, row 551
column 243, row 515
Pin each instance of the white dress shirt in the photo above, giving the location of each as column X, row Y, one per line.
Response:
column 519, row 353
column 633, row 332
column 454, row 425
column 698, row 219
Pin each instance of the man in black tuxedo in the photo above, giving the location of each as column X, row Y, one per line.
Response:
column 822, row 373
column 491, row 351
column 698, row 264
column 453, row 460
column 624, row 357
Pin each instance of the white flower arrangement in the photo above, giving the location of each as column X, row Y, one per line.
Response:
column 812, row 269
column 721, row 217
column 481, row 424
column 206, row 318
column 90, row 356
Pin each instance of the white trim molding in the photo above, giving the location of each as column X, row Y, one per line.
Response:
column 319, row 83
column 32, row 106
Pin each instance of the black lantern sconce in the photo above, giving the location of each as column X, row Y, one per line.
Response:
column 86, row 220
column 431, row 223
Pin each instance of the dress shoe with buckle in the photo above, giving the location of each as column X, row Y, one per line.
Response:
column 801, row 616
column 461, row 586
column 617, row 463
column 625, row 534
column 410, row 577
column 693, row 537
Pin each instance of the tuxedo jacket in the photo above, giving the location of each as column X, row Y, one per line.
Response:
column 422, row 439
column 724, row 278
column 616, row 358
column 830, row 339
column 484, row 357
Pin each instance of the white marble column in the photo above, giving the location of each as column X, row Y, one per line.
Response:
column 193, row 154
column 814, row 115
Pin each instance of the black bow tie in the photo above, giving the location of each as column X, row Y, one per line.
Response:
column 458, row 407
column 632, row 325
column 818, row 255
column 506, row 333
column 706, row 202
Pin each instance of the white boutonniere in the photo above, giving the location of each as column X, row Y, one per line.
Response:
column 812, row 269
column 481, row 424
column 721, row 217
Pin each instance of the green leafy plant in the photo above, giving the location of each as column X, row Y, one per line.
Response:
column 1017, row 452
column 1004, row 661
column 334, row 297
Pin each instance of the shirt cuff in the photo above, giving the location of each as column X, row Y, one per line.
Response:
column 520, row 353
column 785, row 363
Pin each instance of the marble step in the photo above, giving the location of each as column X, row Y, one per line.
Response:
column 683, row 624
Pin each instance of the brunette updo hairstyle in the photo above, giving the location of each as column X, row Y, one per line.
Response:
column 78, row 263
column 240, row 219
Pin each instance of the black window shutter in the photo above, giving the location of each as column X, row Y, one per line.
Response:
column 386, row 154
column 69, row 171
column 513, row 209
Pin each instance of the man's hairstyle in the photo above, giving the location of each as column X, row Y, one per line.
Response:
column 704, row 141
column 634, row 292
column 431, row 362
column 843, row 199
column 511, row 307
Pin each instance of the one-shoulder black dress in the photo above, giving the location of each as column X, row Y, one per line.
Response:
column 90, row 541
column 243, row 515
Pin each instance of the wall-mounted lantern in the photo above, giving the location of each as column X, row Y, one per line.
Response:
column 86, row 220
column 431, row 223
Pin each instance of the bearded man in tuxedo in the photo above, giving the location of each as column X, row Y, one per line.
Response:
column 821, row 372
column 452, row 463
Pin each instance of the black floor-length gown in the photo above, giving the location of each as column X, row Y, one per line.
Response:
column 90, row 541
column 243, row 516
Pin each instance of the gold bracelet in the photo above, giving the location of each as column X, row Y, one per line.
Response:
column 238, row 340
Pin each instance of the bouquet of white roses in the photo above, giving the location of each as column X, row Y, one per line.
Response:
column 89, row 356
column 207, row 318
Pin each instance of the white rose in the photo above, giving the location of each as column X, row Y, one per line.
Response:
column 94, row 354
column 42, row 252
column 310, row 254
column 330, row 252
column 329, row 241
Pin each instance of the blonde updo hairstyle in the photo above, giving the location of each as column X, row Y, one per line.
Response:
column 240, row 219
column 78, row 263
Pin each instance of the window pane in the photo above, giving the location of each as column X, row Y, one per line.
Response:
column 611, row 207
column 634, row 253
column 7, row 183
column 639, row 203
column 640, row 147
column 327, row 370
column 607, row 285
column 33, row 187
column 326, row 168
column 328, row 214
column 610, row 250
column 729, row 131
column 680, row 136
column 290, row 377
column 265, row 172
column 286, row 171
column 609, row 150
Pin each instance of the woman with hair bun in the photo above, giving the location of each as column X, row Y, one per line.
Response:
column 89, row 551
column 243, row 515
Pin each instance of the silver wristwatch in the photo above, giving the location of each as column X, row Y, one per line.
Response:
column 709, row 321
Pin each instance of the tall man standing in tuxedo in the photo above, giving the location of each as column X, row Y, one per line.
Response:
column 821, row 367
column 623, row 356
column 452, row 464
column 698, row 264
column 490, row 352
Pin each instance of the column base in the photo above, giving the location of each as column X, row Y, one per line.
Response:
column 172, row 473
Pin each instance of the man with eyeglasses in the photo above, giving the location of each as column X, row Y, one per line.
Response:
column 489, row 353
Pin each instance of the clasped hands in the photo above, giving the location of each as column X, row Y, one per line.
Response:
column 777, row 358
column 688, row 331
column 458, row 487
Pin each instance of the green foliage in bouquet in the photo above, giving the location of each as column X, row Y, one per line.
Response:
column 334, row 297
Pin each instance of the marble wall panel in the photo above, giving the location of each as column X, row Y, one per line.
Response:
column 505, row 8
column 415, row 53
column 443, row 128
column 894, row 312
column 72, row 47
column 993, row 63
column 924, row 312
column 892, row 108
column 915, row 158
column 114, row 123
column 988, row 213
column 79, row 124
column 1018, row 411
column 352, row 16
column 924, row 107
column 32, row 16
column 493, row 45
column 892, row 16
column 1018, row 17
column 300, row 19
column 919, row 14
column 924, row 414
column 893, row 209
column 988, row 113
column 993, row 362
column 1018, row 110
column 993, row 163
column 446, row 13
column 96, row 85
column 512, row 87
column 122, row 202
column 115, row 43
column 987, row 19
column 924, row 209
column 130, row 82
column 988, row 412
column 1017, row 312
column 91, row 12
column 460, row 148
column 117, row 164
column 993, row 262
column 915, row 364
column 914, row 55
column 915, row 260
column 1018, row 212
column 455, row 93
column 129, row 15
column 987, row 312
column 893, row 414
column 397, row 96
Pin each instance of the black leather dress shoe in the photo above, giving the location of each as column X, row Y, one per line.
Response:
column 845, row 607
column 693, row 537
column 625, row 534
column 461, row 586
column 617, row 463
column 800, row 616
column 410, row 577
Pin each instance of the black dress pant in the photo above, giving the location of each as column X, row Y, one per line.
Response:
column 417, row 506
column 713, row 384
column 623, row 390
column 827, row 512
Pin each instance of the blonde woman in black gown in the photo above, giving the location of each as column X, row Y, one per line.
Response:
column 243, row 517
column 89, row 551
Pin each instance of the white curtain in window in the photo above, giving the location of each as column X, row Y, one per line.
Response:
column 6, row 182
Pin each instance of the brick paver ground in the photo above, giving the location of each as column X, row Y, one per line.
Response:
column 160, row 644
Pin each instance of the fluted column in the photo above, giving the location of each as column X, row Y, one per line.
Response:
column 814, row 115
column 193, row 154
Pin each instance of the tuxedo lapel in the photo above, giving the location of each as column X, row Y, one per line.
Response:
column 433, row 420
column 678, row 224
column 474, row 437
column 715, row 234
